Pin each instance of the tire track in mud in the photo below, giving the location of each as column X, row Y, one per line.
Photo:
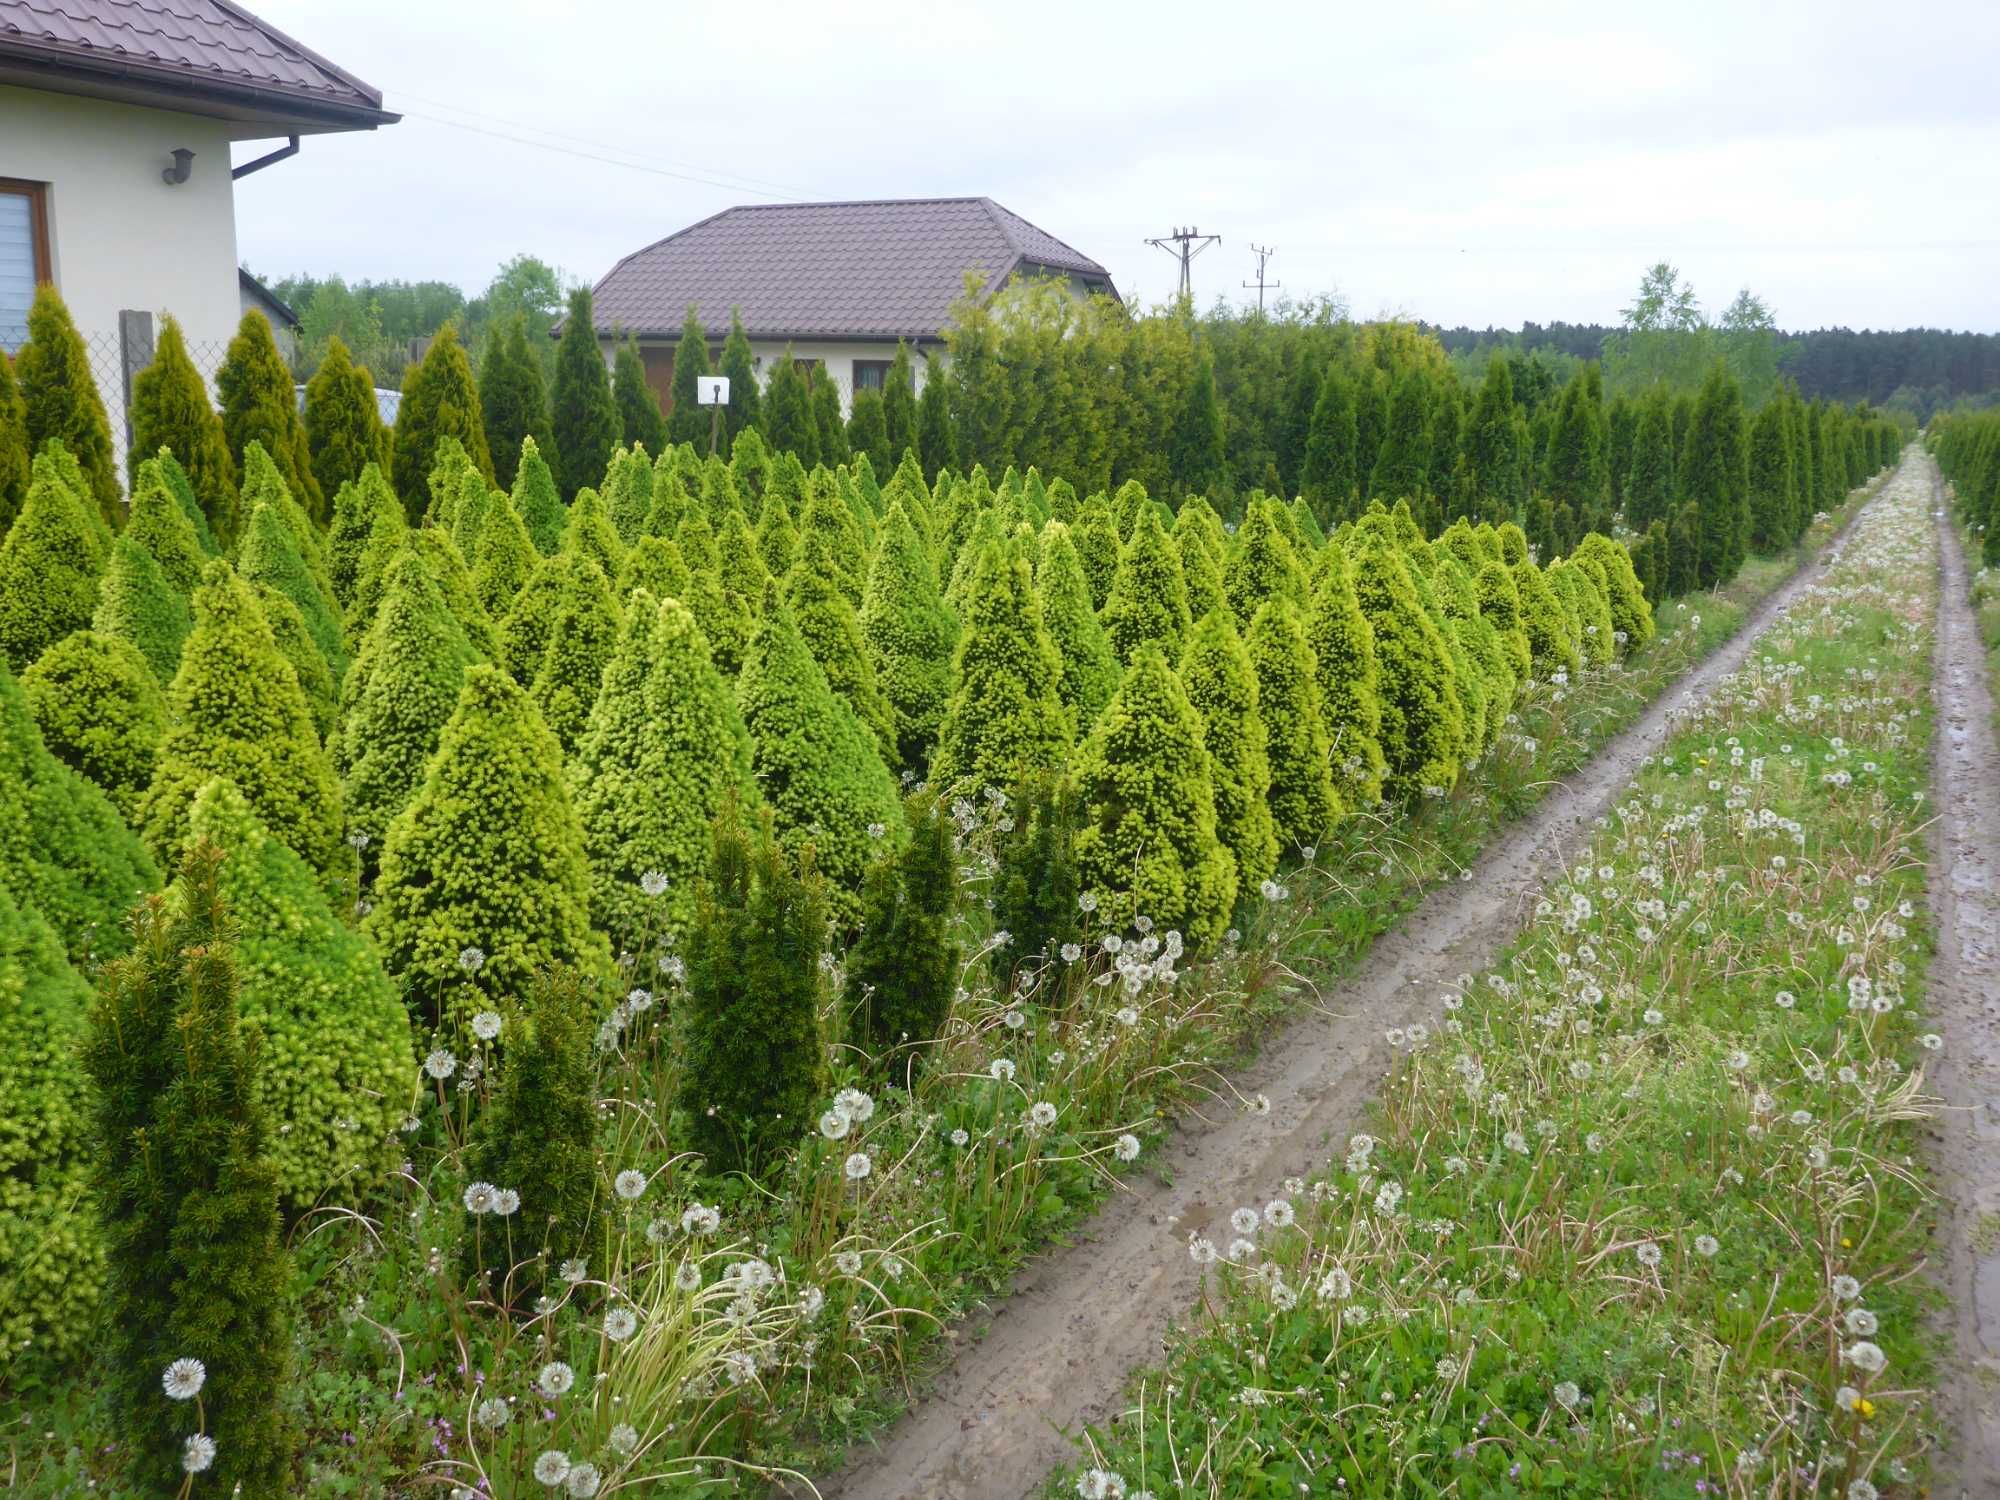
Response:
column 1964, row 1004
column 1078, row 1321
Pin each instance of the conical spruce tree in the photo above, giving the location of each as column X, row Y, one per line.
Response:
column 1714, row 475
column 1261, row 564
column 538, row 1136
column 236, row 710
column 14, row 450
column 1221, row 683
column 1201, row 575
column 411, row 669
column 1090, row 669
column 1423, row 719
column 745, row 411
column 753, row 468
column 590, row 533
column 628, row 493
column 440, row 400
column 687, row 420
column 1500, row 604
column 1006, row 719
column 653, row 565
column 344, row 431
column 832, row 631
column 181, row 490
column 1773, row 490
column 868, row 430
column 1550, row 648
column 187, row 1194
column 1593, row 596
column 59, row 400
column 639, row 419
column 1402, row 463
column 260, row 405
column 738, row 561
column 1347, row 675
column 670, row 497
column 581, row 635
column 663, row 751
column 100, row 713
column 790, row 424
column 264, row 485
column 48, row 1242
column 357, row 506
column 1148, row 845
column 777, row 537
column 469, row 515
column 833, row 450
column 138, row 604
column 909, row 636
column 1488, row 481
column 903, row 970
column 536, row 502
column 513, row 399
column 937, row 435
column 1097, row 548
column 1305, row 804
column 899, row 406
column 335, row 1067
column 484, row 883
column 295, row 645
column 1148, row 602
column 1631, row 615
column 1195, row 455
column 726, row 618
column 48, row 568
column 1329, row 478
column 830, row 537
column 170, row 409
column 1650, row 485
column 269, row 556
column 753, row 1052
column 1574, row 465
column 816, row 764
column 1371, row 422
column 63, row 847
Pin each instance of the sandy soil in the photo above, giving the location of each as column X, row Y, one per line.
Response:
column 1965, row 1006
column 1061, row 1345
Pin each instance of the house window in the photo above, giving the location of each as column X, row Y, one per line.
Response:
column 24, row 255
column 870, row 374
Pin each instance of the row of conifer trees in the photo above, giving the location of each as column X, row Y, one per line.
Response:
column 1967, row 445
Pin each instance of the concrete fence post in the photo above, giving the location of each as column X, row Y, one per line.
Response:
column 135, row 351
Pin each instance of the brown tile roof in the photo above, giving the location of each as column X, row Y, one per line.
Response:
column 877, row 270
column 211, row 49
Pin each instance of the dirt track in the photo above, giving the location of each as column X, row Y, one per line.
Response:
column 1965, row 1006
column 1078, row 1321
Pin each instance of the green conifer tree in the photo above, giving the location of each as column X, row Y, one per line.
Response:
column 937, row 436
column 49, row 1243
column 663, row 751
column 1715, row 477
column 268, row 556
column 868, row 430
column 1500, row 604
column 344, row 431
column 487, row 856
column 187, row 1193
column 440, row 400
column 357, row 507
column 628, row 493
column 745, row 412
column 1631, row 615
column 335, row 1069
column 582, row 632
column 536, row 502
column 1550, row 647
column 260, row 405
column 790, row 423
column 654, row 565
column 100, row 712
column 1403, row 462
column 903, row 970
column 899, row 406
column 181, row 490
column 138, row 604
column 1488, row 481
column 59, row 400
column 1261, row 564
column 1305, row 805
column 1328, row 479
column 1090, row 669
column 1201, row 575
column 583, row 415
column 1348, row 678
column 14, row 451
column 1221, row 683
column 1148, row 845
column 832, row 631
column 816, row 764
column 48, row 567
column 1649, row 484
column 639, row 420
column 1006, row 719
column 777, row 537
column 1148, row 600
column 1195, row 456
column 1773, row 490
column 753, row 1050
column 513, row 399
column 236, row 710
column 170, row 409
column 1423, row 717
column 909, row 635
column 833, row 449
column 687, row 420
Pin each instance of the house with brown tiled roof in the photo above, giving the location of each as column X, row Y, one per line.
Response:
column 118, row 120
column 840, row 283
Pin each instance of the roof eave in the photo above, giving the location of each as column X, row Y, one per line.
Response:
column 125, row 81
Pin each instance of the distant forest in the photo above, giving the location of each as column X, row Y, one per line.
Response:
column 1919, row 370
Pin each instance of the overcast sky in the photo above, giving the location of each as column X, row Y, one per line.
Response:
column 1463, row 163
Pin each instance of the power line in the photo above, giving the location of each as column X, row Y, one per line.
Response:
column 1263, row 253
column 1184, row 245
column 666, row 163
column 610, row 161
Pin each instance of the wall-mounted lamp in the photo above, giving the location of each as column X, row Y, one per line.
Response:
column 182, row 168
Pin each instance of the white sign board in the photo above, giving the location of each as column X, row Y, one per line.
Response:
column 711, row 390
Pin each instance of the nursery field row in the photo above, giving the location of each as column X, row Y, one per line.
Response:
column 1643, row 1214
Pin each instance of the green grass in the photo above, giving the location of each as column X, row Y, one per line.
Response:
column 1596, row 1238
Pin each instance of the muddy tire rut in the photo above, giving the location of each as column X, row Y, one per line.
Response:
column 1057, row 1350
column 1964, row 1005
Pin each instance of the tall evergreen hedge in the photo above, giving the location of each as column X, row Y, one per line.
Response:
column 59, row 400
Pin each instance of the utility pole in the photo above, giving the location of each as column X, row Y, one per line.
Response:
column 1184, row 245
column 1263, row 253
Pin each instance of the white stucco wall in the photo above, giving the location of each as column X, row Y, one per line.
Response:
column 838, row 359
column 119, row 237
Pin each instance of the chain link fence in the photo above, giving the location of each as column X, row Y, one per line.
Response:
column 118, row 355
